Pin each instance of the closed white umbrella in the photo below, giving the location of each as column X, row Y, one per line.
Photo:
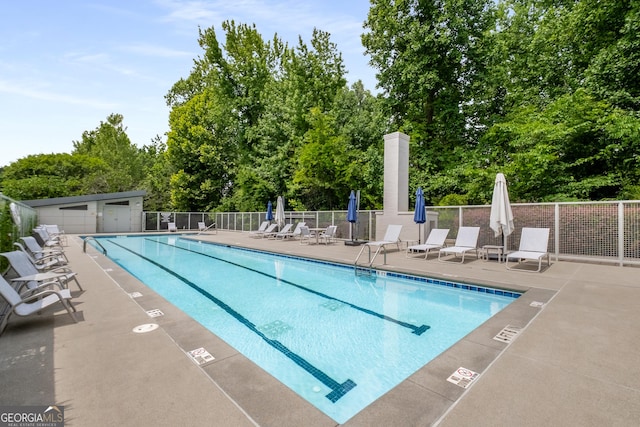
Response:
column 280, row 219
column 501, row 219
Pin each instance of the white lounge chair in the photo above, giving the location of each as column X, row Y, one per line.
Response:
column 285, row 231
column 33, row 303
column 260, row 230
column 172, row 227
column 467, row 241
column 533, row 247
column 436, row 240
column 391, row 237
column 269, row 232
column 293, row 234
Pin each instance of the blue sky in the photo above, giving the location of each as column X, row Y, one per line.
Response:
column 66, row 65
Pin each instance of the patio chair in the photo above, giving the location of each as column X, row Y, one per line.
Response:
column 328, row 236
column 33, row 303
column 391, row 237
column 260, row 230
column 436, row 240
column 43, row 263
column 56, row 233
column 45, row 239
column 305, row 234
column 467, row 241
column 23, row 267
column 172, row 227
column 534, row 243
column 38, row 252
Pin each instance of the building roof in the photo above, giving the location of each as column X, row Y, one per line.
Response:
column 83, row 199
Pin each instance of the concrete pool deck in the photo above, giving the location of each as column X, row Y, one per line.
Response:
column 575, row 362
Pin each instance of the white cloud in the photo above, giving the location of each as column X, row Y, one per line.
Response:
column 34, row 91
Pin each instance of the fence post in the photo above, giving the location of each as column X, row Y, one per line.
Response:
column 556, row 231
column 621, row 233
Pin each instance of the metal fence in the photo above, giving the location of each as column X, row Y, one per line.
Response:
column 584, row 231
column 589, row 231
column 247, row 221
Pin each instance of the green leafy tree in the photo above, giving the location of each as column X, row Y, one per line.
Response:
column 45, row 176
column 109, row 142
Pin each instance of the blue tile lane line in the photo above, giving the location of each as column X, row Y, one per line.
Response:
column 418, row 330
column 337, row 390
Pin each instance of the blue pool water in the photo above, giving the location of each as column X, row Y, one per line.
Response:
column 338, row 339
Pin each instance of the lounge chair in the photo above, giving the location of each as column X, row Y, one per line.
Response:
column 328, row 235
column 56, row 233
column 391, row 237
column 34, row 302
column 202, row 226
column 43, row 263
column 270, row 231
column 260, row 230
column 23, row 267
column 45, row 239
column 533, row 246
column 286, row 231
column 172, row 227
column 38, row 252
column 467, row 241
column 291, row 234
column 436, row 240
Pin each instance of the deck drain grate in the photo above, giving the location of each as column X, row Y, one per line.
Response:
column 332, row 305
column 135, row 294
column 507, row 334
column 201, row 356
column 147, row 327
column 155, row 313
column 274, row 329
column 463, row 377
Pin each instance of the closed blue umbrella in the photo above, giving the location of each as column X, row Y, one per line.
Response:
column 269, row 216
column 352, row 211
column 419, row 216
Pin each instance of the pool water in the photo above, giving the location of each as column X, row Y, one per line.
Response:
column 338, row 339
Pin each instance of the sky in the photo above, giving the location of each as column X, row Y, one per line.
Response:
column 66, row 65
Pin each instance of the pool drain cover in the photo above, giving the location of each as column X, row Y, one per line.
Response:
column 147, row 327
column 155, row 313
column 332, row 305
column 274, row 329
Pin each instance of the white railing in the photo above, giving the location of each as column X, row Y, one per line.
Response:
column 582, row 231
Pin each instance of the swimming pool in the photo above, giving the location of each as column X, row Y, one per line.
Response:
column 337, row 339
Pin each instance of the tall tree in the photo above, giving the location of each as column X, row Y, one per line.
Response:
column 110, row 143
